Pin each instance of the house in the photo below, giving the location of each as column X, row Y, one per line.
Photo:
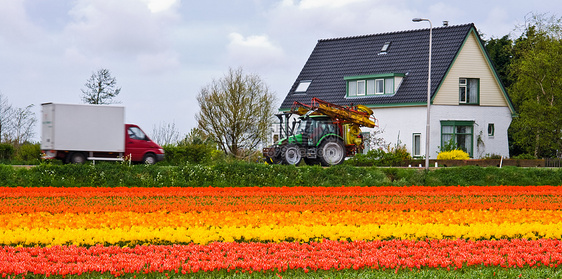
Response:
column 388, row 73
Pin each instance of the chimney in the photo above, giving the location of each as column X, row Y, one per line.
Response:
column 445, row 23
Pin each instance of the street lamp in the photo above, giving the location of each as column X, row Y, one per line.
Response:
column 428, row 92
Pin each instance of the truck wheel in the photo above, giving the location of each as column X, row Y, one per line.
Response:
column 331, row 152
column 77, row 158
column 149, row 159
column 292, row 155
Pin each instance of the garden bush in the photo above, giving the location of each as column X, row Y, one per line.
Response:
column 392, row 157
column 29, row 153
column 234, row 174
column 455, row 154
column 6, row 151
column 190, row 153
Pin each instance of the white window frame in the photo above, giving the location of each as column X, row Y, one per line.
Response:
column 389, row 85
column 360, row 88
column 416, row 146
column 370, row 87
column 377, row 87
column 352, row 88
column 469, row 87
column 462, row 93
column 491, row 129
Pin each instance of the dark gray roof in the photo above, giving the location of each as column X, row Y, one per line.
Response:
column 333, row 59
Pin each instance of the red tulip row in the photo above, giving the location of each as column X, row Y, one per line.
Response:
column 277, row 191
column 278, row 257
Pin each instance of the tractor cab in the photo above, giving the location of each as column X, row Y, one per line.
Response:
column 312, row 129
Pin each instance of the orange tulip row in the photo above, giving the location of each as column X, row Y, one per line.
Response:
column 317, row 199
column 161, row 219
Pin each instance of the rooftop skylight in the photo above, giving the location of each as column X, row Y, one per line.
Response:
column 385, row 47
column 303, row 86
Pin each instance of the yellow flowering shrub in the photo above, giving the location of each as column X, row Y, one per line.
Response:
column 453, row 155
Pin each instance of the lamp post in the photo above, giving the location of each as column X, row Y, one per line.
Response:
column 428, row 92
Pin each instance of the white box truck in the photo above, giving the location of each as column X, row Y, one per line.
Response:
column 76, row 133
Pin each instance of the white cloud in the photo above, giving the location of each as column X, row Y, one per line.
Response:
column 15, row 25
column 255, row 52
column 157, row 6
column 125, row 27
column 314, row 4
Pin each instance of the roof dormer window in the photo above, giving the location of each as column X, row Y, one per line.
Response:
column 372, row 85
column 384, row 48
column 303, row 86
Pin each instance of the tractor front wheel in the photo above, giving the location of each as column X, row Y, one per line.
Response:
column 292, row 155
column 331, row 152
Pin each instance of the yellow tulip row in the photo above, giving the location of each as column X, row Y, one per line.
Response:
column 269, row 218
column 273, row 233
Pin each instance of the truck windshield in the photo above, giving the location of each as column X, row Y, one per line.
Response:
column 136, row 133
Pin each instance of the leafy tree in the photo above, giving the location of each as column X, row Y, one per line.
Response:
column 537, row 87
column 196, row 136
column 101, row 88
column 501, row 54
column 236, row 112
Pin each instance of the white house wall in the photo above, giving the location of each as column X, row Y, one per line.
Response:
column 400, row 124
column 482, row 116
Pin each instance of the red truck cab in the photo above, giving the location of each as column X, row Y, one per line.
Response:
column 139, row 147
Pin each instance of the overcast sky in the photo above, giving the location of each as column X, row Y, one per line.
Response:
column 162, row 52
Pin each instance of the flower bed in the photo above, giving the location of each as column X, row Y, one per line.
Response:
column 184, row 230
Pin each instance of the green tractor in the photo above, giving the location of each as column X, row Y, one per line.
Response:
column 323, row 134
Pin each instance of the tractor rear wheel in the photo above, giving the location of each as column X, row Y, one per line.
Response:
column 331, row 152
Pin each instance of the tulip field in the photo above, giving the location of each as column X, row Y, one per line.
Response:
column 281, row 232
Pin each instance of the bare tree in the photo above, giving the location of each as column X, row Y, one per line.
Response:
column 6, row 112
column 236, row 112
column 165, row 133
column 101, row 88
column 21, row 127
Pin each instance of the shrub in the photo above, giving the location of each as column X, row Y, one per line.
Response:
column 6, row 151
column 393, row 156
column 453, row 155
column 190, row 153
column 524, row 157
column 492, row 156
column 28, row 152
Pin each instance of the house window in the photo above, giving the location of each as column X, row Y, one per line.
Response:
column 303, row 86
column 360, row 88
column 469, row 91
column 385, row 47
column 352, row 89
column 416, row 145
column 491, row 129
column 388, row 85
column 380, row 84
column 370, row 86
column 458, row 133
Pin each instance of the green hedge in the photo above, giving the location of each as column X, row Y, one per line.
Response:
column 251, row 174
